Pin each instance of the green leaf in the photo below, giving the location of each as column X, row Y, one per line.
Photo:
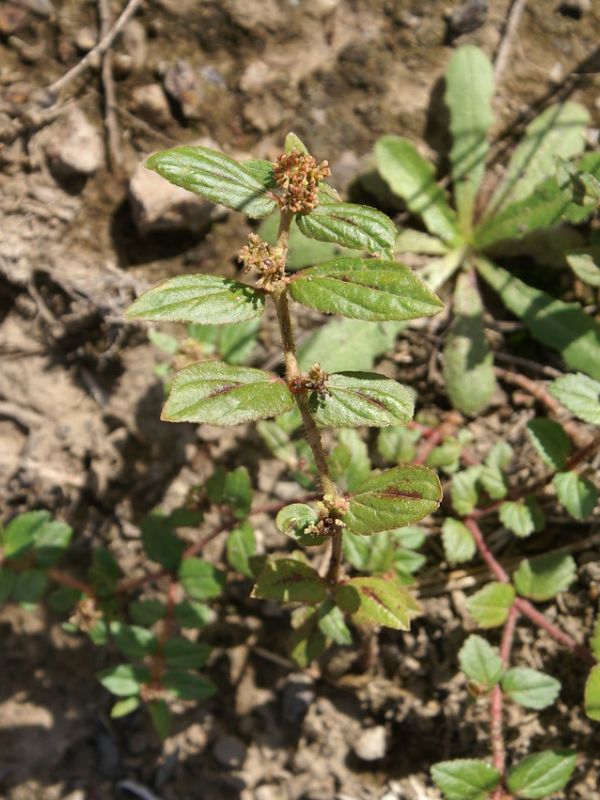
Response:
column 51, row 541
column 397, row 445
column 188, row 685
column 377, row 601
column 592, row 694
column 161, row 717
column 595, row 640
column 559, row 131
column 369, row 289
column 123, row 680
column 578, row 495
column 237, row 341
column 544, row 577
column 63, row 600
column 289, row 580
column 585, row 267
column 348, row 344
column 21, row 532
column 489, row 606
column 293, row 142
column 133, row 641
column 412, row 178
column 436, row 272
column 350, row 225
column 541, row 774
column 458, row 541
column 307, row 641
column 522, row 517
column 124, row 707
column 200, row 579
column 241, row 545
column 465, row 778
column 550, row 440
column 446, row 456
column 411, row 241
column 354, row 465
column 219, row 394
column 480, row 662
column 215, row 176
column 580, row 394
column 160, row 543
column 30, row 585
column 500, row 455
column 468, row 361
column 469, row 91
column 146, row 612
column 193, row 615
column 182, row 653
column 293, row 520
column 393, row 498
column 493, row 481
column 203, row 299
column 331, row 623
column 7, row 583
column 237, row 492
column 530, row 688
column 562, row 326
column 353, row 399
column 369, row 553
column 302, row 252
column 463, row 490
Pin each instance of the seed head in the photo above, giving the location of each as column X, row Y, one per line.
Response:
column 265, row 258
column 299, row 175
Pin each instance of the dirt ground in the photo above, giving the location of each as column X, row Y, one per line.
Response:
column 79, row 401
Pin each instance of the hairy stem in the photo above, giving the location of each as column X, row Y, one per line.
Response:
column 496, row 722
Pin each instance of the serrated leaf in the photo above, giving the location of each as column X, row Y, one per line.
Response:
column 489, row 606
column 133, row 641
column 289, row 580
column 347, row 344
column 469, row 90
column 220, row 394
column 592, row 694
column 559, row 131
column 465, row 778
column 370, row 289
column 411, row 241
column 188, row 685
column 544, row 577
column 468, row 361
column 20, row 533
column 293, row 520
column 200, row 579
column 522, row 517
column 463, row 490
column 161, row 717
column 580, row 394
column 160, row 543
column 30, row 585
column 412, row 178
column 124, row 707
column 493, row 481
column 354, row 399
column 500, row 455
column 350, row 225
column 241, row 545
column 123, row 680
column 578, row 495
column 541, row 774
column 446, row 456
column 182, row 653
column 377, row 601
column 202, row 299
column 530, row 688
column 480, row 662
column 331, row 623
column 550, row 440
column 392, row 499
column 458, row 541
column 215, row 176
column 562, row 326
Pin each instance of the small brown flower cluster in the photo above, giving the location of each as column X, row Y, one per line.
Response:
column 331, row 511
column 86, row 615
column 299, row 175
column 265, row 258
column 316, row 380
column 151, row 693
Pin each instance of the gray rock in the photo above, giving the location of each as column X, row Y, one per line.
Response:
column 182, row 84
column 75, row 146
column 371, row 744
column 86, row 38
column 151, row 104
column 297, row 696
column 229, row 751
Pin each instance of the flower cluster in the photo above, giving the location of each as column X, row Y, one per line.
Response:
column 331, row 511
column 268, row 260
column 299, row 175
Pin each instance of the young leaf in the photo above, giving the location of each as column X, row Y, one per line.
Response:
column 200, row 579
column 489, row 606
column 469, row 90
column 458, row 541
column 550, row 440
column 562, row 326
column 465, row 778
column 412, row 178
column 182, row 653
column 592, row 694
column 348, row 344
column 530, row 688
column 377, row 601
column 293, row 520
column 21, row 532
column 544, row 577
column 219, row 394
column 215, row 176
column 161, row 717
column 393, row 498
column 541, row 774
column 480, row 662
column 369, row 289
column 522, row 517
column 463, row 490
column 203, row 299
column 436, row 272
column 124, row 707
column 580, row 394
column 353, row 399
column 241, row 545
column 289, row 580
column 468, row 361
column 577, row 494
column 350, row 225
column 188, row 685
column 123, row 680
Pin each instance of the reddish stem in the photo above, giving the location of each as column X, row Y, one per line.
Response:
column 496, row 729
column 495, row 567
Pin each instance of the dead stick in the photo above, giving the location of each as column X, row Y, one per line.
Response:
column 115, row 158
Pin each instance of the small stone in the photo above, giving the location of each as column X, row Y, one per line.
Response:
column 269, row 791
column 229, row 751
column 11, row 19
column 43, row 8
column 122, row 64
column 298, row 694
column 371, row 744
column 75, row 146
column 133, row 41
column 86, row 38
column 575, row 8
column 469, row 16
column 181, row 83
column 151, row 104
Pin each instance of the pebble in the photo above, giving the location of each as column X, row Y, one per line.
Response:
column 468, row 16
column 133, row 41
column 269, row 791
column 151, row 104
column 181, row 83
column 297, row 696
column 229, row 751
column 75, row 146
column 371, row 744
column 86, row 38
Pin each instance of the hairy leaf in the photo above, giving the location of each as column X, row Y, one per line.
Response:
column 350, row 225
column 289, row 580
column 463, row 490
column 377, row 601
column 530, row 688
column 541, row 774
column 465, row 778
column 370, row 289
column 522, row 517
column 550, row 440
column 480, row 662
column 489, row 606
column 544, row 577
column 580, row 394
column 578, row 495
column 458, row 541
